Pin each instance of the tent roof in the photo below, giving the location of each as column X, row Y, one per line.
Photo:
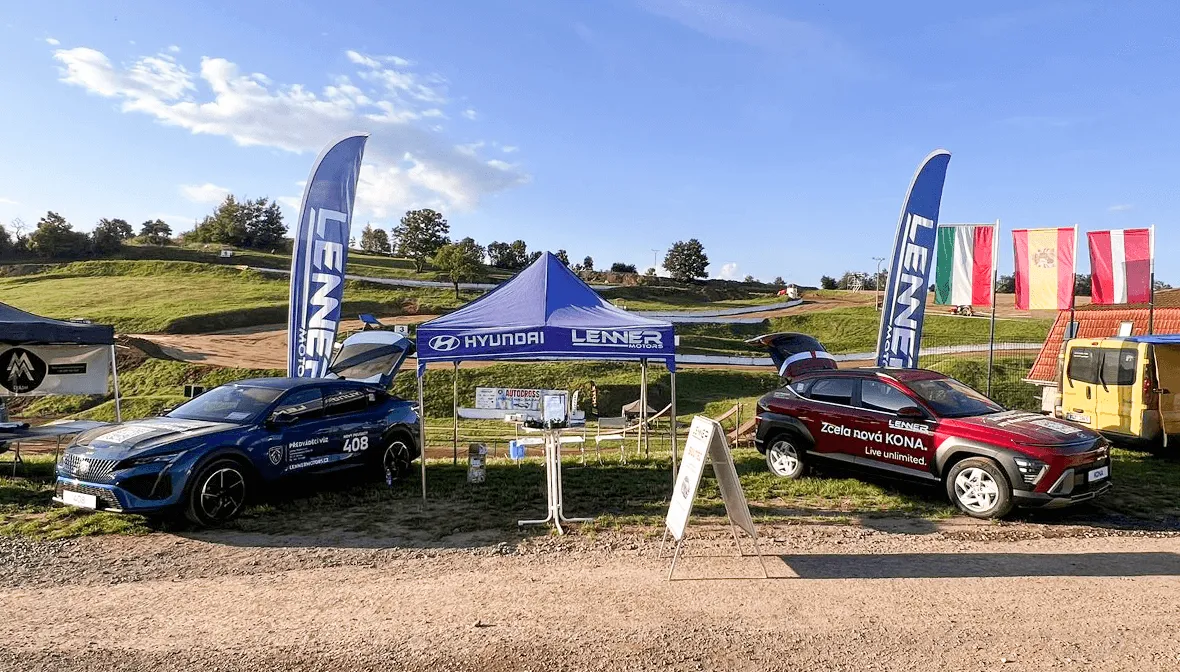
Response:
column 18, row 327
column 546, row 293
column 545, row 298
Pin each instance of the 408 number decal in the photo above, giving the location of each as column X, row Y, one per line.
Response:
column 355, row 444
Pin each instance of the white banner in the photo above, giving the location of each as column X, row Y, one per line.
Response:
column 53, row 369
column 511, row 398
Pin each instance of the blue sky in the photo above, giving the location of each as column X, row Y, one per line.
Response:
column 782, row 135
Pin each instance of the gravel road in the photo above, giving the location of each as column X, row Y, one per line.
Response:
column 901, row 596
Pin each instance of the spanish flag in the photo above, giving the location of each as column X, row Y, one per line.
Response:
column 1045, row 268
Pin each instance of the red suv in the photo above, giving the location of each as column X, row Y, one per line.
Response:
column 922, row 424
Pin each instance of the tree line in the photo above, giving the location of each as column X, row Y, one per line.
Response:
column 55, row 238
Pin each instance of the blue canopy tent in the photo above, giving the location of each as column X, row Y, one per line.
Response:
column 545, row 312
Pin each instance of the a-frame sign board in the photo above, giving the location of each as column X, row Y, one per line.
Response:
column 706, row 441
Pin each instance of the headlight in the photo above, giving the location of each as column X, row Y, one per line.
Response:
column 1032, row 471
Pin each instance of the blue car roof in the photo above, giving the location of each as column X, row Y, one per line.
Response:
column 276, row 383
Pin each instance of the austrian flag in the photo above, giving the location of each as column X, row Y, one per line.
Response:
column 1120, row 262
column 965, row 264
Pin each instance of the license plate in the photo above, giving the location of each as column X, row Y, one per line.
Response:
column 1098, row 474
column 79, row 499
column 1078, row 417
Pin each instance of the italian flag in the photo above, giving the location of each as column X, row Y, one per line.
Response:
column 1120, row 264
column 1044, row 268
column 965, row 263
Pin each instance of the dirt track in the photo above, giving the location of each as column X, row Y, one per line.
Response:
column 903, row 596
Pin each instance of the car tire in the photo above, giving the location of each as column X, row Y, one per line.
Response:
column 978, row 487
column 394, row 461
column 785, row 456
column 218, row 493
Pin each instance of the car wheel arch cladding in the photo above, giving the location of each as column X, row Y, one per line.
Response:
column 225, row 453
column 406, row 436
column 778, row 424
column 954, row 450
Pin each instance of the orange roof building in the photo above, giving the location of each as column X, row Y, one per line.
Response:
column 1104, row 322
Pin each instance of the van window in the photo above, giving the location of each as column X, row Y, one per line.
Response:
column 1083, row 365
column 1118, row 366
column 833, row 390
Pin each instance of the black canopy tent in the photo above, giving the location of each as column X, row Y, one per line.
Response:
column 20, row 328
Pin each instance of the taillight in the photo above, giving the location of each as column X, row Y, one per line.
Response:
column 1151, row 400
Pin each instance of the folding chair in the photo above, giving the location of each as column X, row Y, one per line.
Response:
column 611, row 429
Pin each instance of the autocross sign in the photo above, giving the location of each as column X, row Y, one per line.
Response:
column 904, row 307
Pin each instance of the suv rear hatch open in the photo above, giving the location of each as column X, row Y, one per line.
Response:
column 371, row 357
column 794, row 354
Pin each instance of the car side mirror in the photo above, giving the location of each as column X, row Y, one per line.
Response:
column 280, row 418
column 1162, row 390
column 911, row 413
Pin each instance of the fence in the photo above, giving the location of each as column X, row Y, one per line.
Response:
column 967, row 361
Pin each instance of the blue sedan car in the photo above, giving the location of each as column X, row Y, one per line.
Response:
column 211, row 455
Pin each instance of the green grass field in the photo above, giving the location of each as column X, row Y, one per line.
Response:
column 846, row 330
column 188, row 297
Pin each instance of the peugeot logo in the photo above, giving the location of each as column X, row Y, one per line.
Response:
column 444, row 343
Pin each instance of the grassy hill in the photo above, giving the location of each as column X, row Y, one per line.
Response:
column 188, row 297
column 844, row 330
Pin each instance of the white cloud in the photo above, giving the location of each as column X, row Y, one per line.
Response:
column 508, row 149
column 470, row 114
column 8, row 201
column 407, row 164
column 204, row 193
column 1121, row 207
column 52, row 41
column 174, row 49
column 729, row 271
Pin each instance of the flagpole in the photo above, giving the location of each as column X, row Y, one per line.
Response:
column 991, row 335
column 1073, row 291
column 1151, row 280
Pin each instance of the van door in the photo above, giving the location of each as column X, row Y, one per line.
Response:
column 1114, row 394
column 1167, row 376
column 1078, row 383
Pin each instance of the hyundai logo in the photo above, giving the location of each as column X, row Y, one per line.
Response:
column 444, row 343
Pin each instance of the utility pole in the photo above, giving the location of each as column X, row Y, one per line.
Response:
column 877, row 280
column 654, row 253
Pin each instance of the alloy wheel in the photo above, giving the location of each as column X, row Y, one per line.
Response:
column 394, row 461
column 223, row 493
column 784, row 459
column 976, row 490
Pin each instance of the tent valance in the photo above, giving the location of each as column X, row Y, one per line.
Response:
column 545, row 312
column 20, row 328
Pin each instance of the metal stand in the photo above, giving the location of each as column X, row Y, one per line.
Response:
column 736, row 540
column 554, row 506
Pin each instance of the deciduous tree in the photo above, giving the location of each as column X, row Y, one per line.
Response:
column 420, row 234
column 155, row 231
column 686, row 260
column 374, row 241
column 460, row 262
column 55, row 238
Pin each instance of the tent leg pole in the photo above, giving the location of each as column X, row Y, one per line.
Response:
column 422, row 431
column 673, row 412
column 455, row 415
column 115, row 376
column 643, row 434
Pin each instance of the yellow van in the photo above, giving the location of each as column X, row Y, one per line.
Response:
column 1124, row 387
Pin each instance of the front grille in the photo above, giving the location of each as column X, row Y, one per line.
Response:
column 77, row 466
column 106, row 498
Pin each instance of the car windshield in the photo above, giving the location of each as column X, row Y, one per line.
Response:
column 228, row 403
column 951, row 399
